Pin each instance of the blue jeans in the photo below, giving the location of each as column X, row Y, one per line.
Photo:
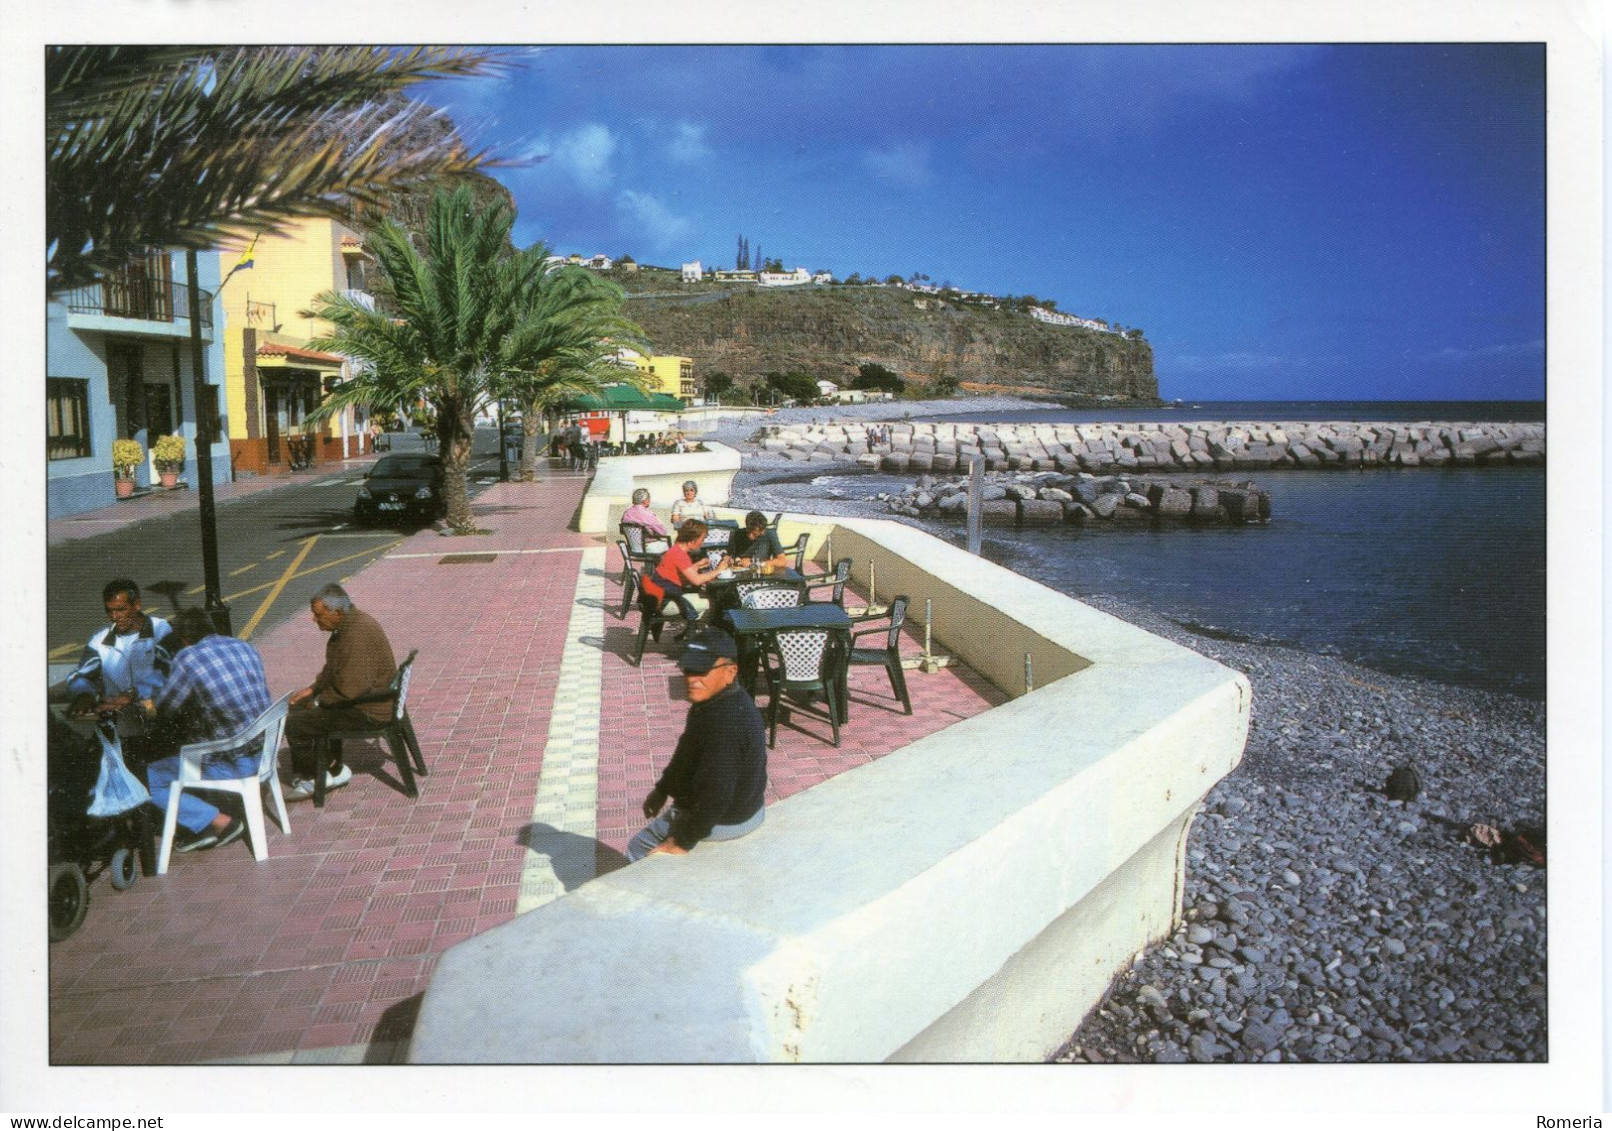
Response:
column 194, row 813
column 674, row 593
column 656, row 832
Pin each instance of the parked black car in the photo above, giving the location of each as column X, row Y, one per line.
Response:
column 406, row 485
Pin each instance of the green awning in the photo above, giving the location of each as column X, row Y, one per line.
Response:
column 611, row 398
column 665, row 402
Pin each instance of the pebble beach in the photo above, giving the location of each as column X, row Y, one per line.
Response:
column 1323, row 922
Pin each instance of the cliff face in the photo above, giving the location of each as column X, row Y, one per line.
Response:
column 828, row 331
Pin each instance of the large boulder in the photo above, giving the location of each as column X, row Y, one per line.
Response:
column 1000, row 512
column 1206, row 503
column 1175, row 503
column 1040, row 512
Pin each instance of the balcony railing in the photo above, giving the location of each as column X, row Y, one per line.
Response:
column 136, row 296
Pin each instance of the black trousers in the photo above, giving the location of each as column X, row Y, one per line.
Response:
column 305, row 727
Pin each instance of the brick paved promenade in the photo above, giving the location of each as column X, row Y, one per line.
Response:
column 541, row 741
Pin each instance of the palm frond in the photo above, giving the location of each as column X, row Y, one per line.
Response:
column 173, row 147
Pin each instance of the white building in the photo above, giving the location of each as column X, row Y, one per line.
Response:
column 798, row 277
column 693, row 272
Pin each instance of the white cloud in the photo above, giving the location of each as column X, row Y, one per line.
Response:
column 1233, row 360
column 585, row 155
column 1483, row 353
column 905, row 163
column 649, row 219
column 688, row 144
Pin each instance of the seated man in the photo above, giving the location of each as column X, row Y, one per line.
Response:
column 124, row 665
column 639, row 514
column 358, row 660
column 217, row 686
column 717, row 778
column 676, row 573
column 757, row 544
column 690, row 506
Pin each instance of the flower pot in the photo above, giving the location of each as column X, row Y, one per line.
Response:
column 168, row 478
column 125, row 488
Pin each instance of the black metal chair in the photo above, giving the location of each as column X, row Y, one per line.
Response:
column 890, row 655
column 799, row 662
column 632, row 577
column 834, row 581
column 637, row 539
column 398, row 732
column 653, row 615
column 799, row 550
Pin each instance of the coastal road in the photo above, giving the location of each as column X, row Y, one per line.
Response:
column 275, row 550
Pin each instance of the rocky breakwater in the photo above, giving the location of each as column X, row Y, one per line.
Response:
column 930, row 446
column 1049, row 498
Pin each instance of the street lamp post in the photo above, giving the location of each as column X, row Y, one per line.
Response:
column 214, row 600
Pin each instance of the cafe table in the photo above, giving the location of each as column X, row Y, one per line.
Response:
column 751, row 627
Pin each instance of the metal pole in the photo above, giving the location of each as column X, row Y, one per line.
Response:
column 214, row 601
column 503, row 446
column 976, row 493
column 1029, row 675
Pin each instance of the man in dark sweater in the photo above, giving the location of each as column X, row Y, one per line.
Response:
column 358, row 661
column 717, row 777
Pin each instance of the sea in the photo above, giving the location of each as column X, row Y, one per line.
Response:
column 1438, row 573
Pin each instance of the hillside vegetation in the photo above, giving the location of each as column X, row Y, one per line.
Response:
column 828, row 331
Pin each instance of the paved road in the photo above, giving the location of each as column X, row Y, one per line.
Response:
column 274, row 551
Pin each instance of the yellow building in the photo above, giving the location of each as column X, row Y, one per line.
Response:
column 272, row 380
column 671, row 374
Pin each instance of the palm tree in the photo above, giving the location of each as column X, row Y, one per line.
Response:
column 175, row 146
column 441, row 332
column 569, row 327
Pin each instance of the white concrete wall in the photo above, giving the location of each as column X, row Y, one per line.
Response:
column 968, row 897
column 610, row 493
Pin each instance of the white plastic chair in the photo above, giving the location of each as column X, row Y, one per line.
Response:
column 266, row 730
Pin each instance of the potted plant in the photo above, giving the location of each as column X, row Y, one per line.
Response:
column 169, row 452
column 126, row 456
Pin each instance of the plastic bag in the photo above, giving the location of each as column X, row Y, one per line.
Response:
column 117, row 790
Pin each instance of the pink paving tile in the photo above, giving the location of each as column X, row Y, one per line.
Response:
column 332, row 940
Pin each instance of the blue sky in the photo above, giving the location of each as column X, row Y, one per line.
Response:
column 1283, row 221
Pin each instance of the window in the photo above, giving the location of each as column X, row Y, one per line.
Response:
column 67, row 418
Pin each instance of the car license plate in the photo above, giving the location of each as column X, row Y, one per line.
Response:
column 390, row 506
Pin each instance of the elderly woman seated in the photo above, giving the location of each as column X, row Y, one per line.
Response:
column 676, row 573
column 690, row 506
column 757, row 544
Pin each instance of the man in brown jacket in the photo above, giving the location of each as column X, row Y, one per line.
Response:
column 358, row 660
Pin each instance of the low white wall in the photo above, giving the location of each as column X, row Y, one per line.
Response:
column 967, row 897
column 610, row 493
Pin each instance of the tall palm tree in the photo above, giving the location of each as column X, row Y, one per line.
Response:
column 176, row 146
column 564, row 345
column 441, row 334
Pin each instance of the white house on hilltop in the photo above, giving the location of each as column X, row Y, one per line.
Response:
column 798, row 277
column 693, row 272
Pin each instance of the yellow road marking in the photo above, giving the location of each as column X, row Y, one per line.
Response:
column 279, row 586
column 311, row 569
column 274, row 555
column 228, row 597
column 243, row 569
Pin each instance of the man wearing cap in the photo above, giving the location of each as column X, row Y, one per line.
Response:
column 717, row 778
